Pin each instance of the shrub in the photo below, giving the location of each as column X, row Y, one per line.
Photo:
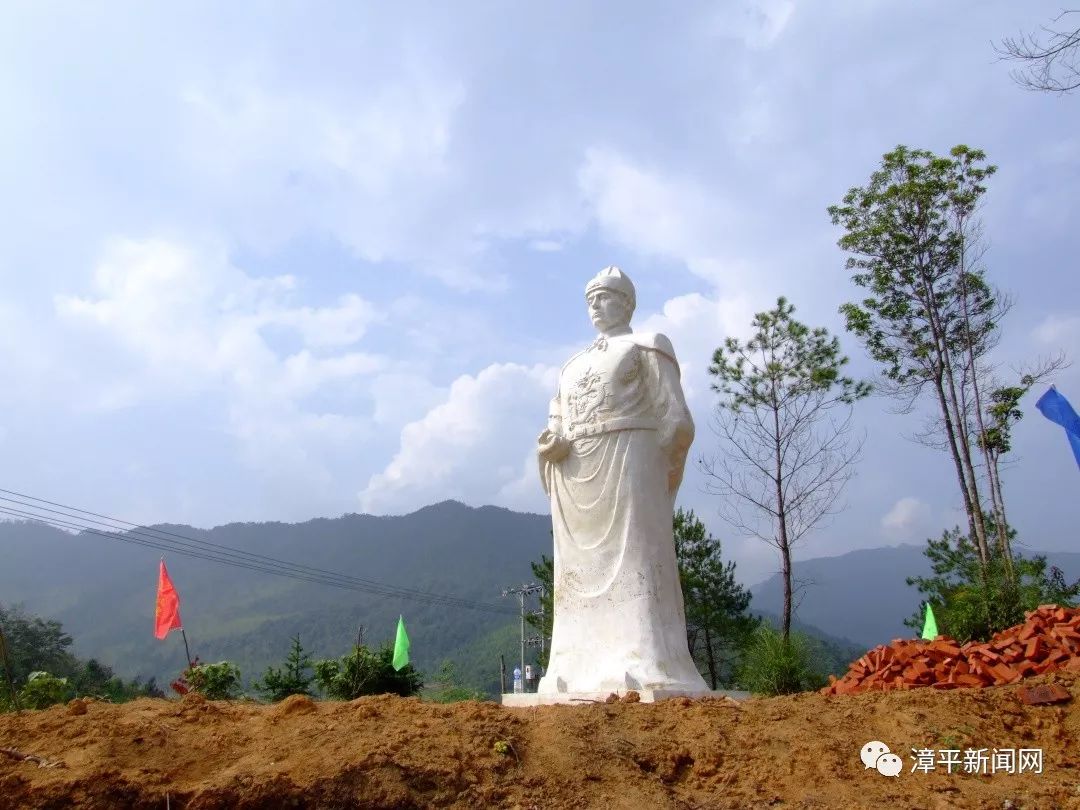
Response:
column 773, row 666
column 972, row 606
column 42, row 690
column 446, row 689
column 220, row 681
column 364, row 672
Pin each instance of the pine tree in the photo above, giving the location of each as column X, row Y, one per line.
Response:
column 292, row 679
column 717, row 625
column 784, row 420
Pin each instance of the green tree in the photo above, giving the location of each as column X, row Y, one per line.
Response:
column 366, row 672
column 39, row 645
column 220, row 681
column 92, row 678
column 784, row 421
column 929, row 315
column 35, row 644
column 445, row 687
column 43, row 690
column 717, row 625
column 541, row 620
column 972, row 601
column 294, row 678
column 1002, row 412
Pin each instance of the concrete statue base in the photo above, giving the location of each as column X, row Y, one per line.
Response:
column 518, row 699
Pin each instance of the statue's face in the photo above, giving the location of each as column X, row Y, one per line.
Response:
column 608, row 309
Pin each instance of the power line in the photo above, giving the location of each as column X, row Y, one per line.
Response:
column 433, row 599
column 182, row 544
column 285, row 570
column 188, row 541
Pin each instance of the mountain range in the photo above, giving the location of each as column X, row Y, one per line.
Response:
column 102, row 589
column 862, row 595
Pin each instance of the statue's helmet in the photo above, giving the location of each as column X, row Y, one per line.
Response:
column 612, row 278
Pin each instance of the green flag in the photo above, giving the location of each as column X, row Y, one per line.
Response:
column 401, row 645
column 929, row 628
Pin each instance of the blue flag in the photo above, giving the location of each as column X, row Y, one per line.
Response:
column 1058, row 410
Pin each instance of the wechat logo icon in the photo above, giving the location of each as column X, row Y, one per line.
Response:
column 876, row 754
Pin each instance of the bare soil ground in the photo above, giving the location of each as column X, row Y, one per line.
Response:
column 388, row 752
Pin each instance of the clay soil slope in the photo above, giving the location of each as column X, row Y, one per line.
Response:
column 389, row 752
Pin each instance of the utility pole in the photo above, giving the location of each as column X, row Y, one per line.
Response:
column 521, row 592
column 541, row 612
column 541, row 639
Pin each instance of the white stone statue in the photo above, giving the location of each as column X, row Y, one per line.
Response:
column 611, row 460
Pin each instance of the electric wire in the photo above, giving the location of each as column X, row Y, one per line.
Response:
column 165, row 540
column 226, row 551
column 186, row 540
column 431, row 599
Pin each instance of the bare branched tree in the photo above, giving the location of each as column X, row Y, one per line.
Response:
column 784, row 421
column 1050, row 57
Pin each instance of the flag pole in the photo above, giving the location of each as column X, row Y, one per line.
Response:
column 187, row 652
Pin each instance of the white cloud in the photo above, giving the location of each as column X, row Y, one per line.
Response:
column 469, row 447
column 524, row 493
column 190, row 320
column 402, row 397
column 906, row 516
column 340, row 325
column 654, row 214
column 1063, row 152
column 1059, row 331
column 697, row 325
column 660, row 214
column 758, row 23
column 546, row 245
column 29, row 366
column 437, row 332
column 402, row 128
column 370, row 166
column 477, row 444
column 187, row 322
column 425, row 144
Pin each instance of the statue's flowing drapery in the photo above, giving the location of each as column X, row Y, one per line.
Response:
column 619, row 621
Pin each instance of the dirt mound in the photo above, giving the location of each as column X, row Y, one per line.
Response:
column 389, row 752
column 1048, row 640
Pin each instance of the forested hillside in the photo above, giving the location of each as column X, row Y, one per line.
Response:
column 102, row 590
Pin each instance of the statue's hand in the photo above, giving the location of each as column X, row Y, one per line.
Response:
column 552, row 447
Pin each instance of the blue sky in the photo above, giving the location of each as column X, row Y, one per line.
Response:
column 273, row 263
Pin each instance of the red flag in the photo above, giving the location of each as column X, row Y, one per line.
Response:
column 167, row 610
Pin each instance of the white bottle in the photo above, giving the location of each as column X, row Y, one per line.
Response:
column 518, row 687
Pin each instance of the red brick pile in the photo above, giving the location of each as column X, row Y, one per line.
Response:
column 1048, row 639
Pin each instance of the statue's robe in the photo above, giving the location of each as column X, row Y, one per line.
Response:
column 619, row 621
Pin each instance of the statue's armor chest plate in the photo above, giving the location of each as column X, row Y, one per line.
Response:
column 605, row 388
